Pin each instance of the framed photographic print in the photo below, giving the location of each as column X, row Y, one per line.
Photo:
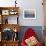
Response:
column 29, row 14
column 5, row 12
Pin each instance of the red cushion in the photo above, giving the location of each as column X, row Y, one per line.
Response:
column 29, row 33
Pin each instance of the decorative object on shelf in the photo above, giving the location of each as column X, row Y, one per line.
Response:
column 13, row 12
column 29, row 13
column 5, row 12
column 15, row 34
column 6, row 21
column 7, row 34
column 15, row 37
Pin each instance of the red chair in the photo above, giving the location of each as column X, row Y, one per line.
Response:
column 29, row 33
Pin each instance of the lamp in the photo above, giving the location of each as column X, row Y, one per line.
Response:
column 15, row 3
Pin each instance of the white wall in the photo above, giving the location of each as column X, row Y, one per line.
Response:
column 27, row 4
column 31, row 4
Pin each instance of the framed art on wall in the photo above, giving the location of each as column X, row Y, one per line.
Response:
column 29, row 14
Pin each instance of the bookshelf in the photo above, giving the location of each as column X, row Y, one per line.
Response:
column 5, row 13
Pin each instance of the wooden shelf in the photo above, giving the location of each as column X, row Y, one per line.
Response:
column 5, row 24
column 9, row 8
column 12, row 43
column 10, row 26
column 9, row 43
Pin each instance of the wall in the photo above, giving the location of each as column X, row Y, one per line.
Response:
column 31, row 4
column 27, row 4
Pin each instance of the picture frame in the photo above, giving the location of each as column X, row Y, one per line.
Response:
column 29, row 14
column 5, row 12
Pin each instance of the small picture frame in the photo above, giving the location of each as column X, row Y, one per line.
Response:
column 29, row 14
column 5, row 12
